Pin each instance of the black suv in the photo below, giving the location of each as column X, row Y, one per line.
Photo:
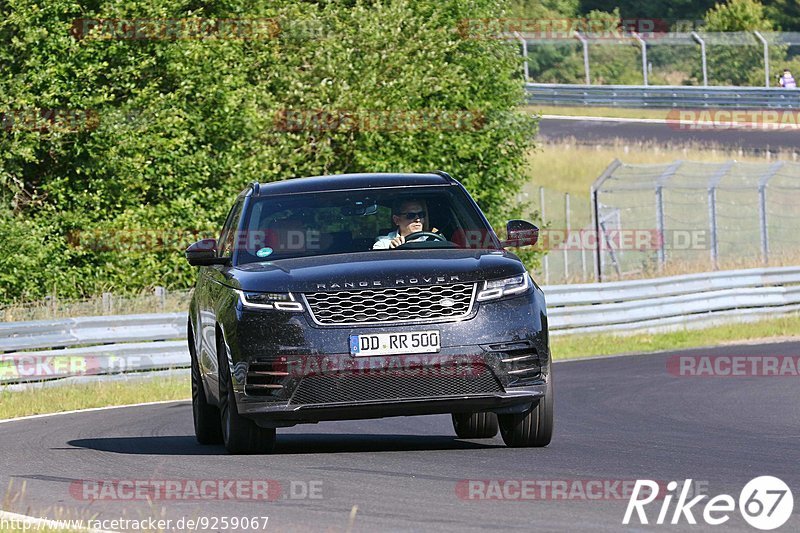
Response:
column 309, row 308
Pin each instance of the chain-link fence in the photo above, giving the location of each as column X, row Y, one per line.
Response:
column 659, row 58
column 652, row 218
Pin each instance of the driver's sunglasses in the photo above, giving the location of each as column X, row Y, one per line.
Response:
column 411, row 215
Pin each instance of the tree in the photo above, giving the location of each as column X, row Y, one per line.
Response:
column 172, row 125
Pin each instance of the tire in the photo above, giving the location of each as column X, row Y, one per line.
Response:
column 239, row 434
column 207, row 428
column 475, row 425
column 533, row 429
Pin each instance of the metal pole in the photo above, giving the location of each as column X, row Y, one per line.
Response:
column 766, row 58
column 566, row 245
column 662, row 256
column 524, row 54
column 585, row 44
column 607, row 173
column 545, row 260
column 703, row 56
column 762, row 216
column 762, row 207
column 644, row 56
column 598, row 256
column 712, row 219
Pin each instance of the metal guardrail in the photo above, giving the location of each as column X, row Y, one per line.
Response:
column 135, row 343
column 663, row 96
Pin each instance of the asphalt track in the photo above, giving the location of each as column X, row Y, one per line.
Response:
column 618, row 418
column 608, row 130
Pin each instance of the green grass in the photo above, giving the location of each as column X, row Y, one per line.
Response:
column 99, row 394
column 572, row 168
column 575, row 346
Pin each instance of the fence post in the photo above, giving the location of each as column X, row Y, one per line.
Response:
column 161, row 296
column 766, row 58
column 662, row 254
column 108, row 303
column 545, row 260
column 712, row 210
column 644, row 56
column 585, row 44
column 566, row 241
column 595, row 190
column 762, row 208
column 702, row 57
column 524, row 54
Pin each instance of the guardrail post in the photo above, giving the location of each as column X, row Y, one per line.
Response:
column 545, row 259
column 585, row 44
column 766, row 58
column 703, row 58
column 644, row 56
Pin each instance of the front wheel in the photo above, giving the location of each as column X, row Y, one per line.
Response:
column 533, row 429
column 239, row 434
column 207, row 427
column 475, row 425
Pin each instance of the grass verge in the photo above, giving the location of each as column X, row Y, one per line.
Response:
column 56, row 399
column 587, row 111
column 576, row 346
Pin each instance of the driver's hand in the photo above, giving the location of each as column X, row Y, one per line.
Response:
column 397, row 241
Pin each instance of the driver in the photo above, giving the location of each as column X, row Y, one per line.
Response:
column 410, row 217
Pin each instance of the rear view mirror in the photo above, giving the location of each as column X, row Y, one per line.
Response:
column 520, row 233
column 204, row 253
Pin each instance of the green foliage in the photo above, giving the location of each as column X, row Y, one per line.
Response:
column 739, row 65
column 737, row 15
column 174, row 128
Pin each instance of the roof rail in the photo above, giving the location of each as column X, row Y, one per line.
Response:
column 256, row 186
column 445, row 175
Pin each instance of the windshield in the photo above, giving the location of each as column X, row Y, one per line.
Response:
column 302, row 225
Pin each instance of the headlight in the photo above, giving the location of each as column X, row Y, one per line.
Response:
column 498, row 288
column 279, row 301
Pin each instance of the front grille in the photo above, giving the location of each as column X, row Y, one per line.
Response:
column 400, row 384
column 395, row 304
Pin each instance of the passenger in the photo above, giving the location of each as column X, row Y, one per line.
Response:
column 410, row 217
column 787, row 80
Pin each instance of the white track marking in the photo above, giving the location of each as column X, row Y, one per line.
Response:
column 43, row 415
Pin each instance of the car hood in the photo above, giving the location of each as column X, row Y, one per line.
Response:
column 392, row 268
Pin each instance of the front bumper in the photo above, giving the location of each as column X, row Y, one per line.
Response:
column 287, row 370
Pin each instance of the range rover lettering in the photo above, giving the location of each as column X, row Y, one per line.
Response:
column 364, row 296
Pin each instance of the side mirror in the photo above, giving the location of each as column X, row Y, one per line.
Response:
column 204, row 253
column 520, row 233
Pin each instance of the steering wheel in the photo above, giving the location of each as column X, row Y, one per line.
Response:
column 417, row 234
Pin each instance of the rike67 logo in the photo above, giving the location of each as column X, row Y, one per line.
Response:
column 765, row 503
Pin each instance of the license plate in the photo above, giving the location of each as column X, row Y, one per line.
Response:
column 394, row 343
